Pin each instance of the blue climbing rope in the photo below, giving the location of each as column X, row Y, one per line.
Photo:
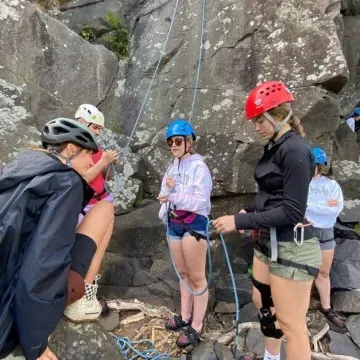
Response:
column 199, row 60
column 154, row 75
column 237, row 317
column 116, row 176
column 127, row 348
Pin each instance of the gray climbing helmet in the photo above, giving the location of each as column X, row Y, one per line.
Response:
column 61, row 130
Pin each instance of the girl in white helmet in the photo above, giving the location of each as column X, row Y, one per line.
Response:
column 89, row 115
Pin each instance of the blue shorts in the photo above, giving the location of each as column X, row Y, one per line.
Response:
column 176, row 231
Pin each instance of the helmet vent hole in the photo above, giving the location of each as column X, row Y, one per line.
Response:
column 59, row 130
column 267, row 94
column 261, row 92
column 69, row 124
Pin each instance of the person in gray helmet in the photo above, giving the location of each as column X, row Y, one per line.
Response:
column 44, row 255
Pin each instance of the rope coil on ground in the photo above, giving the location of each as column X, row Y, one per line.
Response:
column 127, row 347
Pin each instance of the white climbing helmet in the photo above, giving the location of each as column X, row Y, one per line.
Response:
column 90, row 114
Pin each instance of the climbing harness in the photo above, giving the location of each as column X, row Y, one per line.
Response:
column 128, row 347
column 264, row 250
column 173, row 216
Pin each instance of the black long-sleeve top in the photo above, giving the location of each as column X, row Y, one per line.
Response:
column 283, row 175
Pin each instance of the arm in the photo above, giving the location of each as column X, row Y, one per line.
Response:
column 297, row 175
column 322, row 207
column 41, row 287
column 196, row 197
column 95, row 170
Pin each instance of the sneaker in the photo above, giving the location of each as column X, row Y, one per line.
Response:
column 87, row 308
column 334, row 317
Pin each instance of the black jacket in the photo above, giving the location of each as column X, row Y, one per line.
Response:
column 40, row 200
column 283, row 175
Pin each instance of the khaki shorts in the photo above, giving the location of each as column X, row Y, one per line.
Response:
column 308, row 253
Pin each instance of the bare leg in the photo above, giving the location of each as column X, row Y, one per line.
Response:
column 291, row 299
column 186, row 297
column 322, row 282
column 195, row 259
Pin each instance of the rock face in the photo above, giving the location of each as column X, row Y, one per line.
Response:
column 45, row 72
column 257, row 35
column 353, row 326
column 349, row 30
column 83, row 342
column 345, row 272
column 341, row 344
column 346, row 301
column 87, row 341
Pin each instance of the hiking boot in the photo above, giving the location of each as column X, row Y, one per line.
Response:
column 88, row 307
column 176, row 323
column 334, row 317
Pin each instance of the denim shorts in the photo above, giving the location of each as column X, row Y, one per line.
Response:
column 176, row 231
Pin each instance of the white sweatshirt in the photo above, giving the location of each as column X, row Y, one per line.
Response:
column 318, row 212
column 193, row 185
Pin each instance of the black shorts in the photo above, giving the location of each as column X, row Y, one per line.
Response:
column 82, row 254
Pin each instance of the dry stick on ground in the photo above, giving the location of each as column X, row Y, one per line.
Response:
column 317, row 337
column 320, row 356
column 133, row 318
column 164, row 340
column 228, row 337
column 159, row 312
column 141, row 333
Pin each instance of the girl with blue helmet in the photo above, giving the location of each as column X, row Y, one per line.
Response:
column 185, row 197
column 325, row 202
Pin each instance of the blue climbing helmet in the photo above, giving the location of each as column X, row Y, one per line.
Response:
column 319, row 155
column 180, row 127
column 357, row 111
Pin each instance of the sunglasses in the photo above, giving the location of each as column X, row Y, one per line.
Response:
column 177, row 141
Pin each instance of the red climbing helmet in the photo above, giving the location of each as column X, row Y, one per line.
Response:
column 265, row 97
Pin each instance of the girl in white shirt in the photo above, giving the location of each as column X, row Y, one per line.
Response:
column 325, row 202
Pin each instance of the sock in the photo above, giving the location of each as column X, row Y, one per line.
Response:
column 268, row 356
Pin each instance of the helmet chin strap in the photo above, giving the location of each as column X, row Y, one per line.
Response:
column 68, row 158
column 277, row 126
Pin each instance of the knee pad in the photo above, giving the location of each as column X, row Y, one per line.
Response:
column 82, row 254
column 266, row 318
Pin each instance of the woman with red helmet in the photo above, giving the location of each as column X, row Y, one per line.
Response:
column 287, row 254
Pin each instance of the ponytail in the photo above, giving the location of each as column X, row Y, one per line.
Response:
column 294, row 122
column 283, row 111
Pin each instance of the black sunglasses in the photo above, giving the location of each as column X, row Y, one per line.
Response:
column 177, row 141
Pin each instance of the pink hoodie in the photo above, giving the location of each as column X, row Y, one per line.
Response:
column 192, row 189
